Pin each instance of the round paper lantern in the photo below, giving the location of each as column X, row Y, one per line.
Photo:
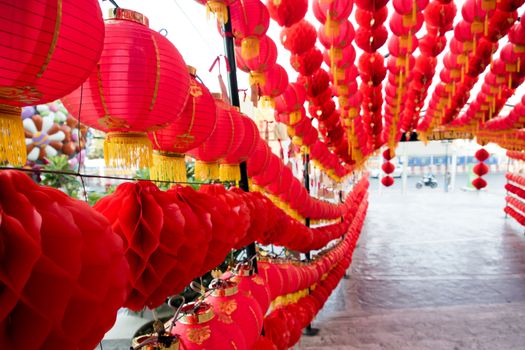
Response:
column 250, row 282
column 387, row 181
column 264, row 343
column 287, row 12
column 432, row 45
column 479, row 183
column 259, row 160
column 234, row 307
column 370, row 40
column 63, row 272
column 344, row 36
column 480, row 169
column 371, row 5
column 218, row 144
column 340, row 58
column 275, row 82
column 257, row 65
column 406, row 7
column 44, row 57
column 194, row 126
column 276, row 328
column 369, row 19
column 299, row 38
column 250, row 20
column 140, row 85
column 308, row 62
column 482, row 155
column 273, row 277
column 200, row 328
column 440, row 15
column 292, row 99
column 388, row 167
column 229, row 167
column 333, row 14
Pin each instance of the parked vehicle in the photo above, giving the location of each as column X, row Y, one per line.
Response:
column 427, row 180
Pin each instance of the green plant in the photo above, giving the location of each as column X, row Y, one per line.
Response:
column 67, row 183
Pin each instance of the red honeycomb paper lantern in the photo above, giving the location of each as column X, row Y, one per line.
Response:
column 44, row 57
column 194, row 126
column 63, row 274
column 387, row 181
column 140, row 85
column 299, row 38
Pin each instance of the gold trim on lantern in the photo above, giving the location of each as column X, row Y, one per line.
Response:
column 192, row 70
column 192, row 314
column 229, row 172
column 226, row 289
column 127, row 150
column 128, row 15
column 52, row 47
column 12, row 139
column 206, row 171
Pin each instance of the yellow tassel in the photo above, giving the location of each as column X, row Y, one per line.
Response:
column 12, row 141
column 250, row 47
column 298, row 141
column 256, row 78
column 230, row 172
column 219, row 9
column 276, row 2
column 206, row 171
column 295, row 117
column 267, row 102
column 168, row 166
column 127, row 150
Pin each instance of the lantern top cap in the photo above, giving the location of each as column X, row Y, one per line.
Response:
column 192, row 70
column 128, row 15
column 146, row 339
column 196, row 313
column 223, row 288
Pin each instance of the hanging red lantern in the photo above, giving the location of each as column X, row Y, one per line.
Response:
column 372, row 68
column 480, row 169
column 201, row 328
column 482, row 155
column 369, row 19
column 287, row 12
column 371, row 5
column 344, row 36
column 234, row 307
column 259, row 160
column 308, row 62
column 194, row 126
column 275, row 82
column 440, row 15
column 64, row 274
column 406, row 7
column 276, row 328
column 370, row 40
column 340, row 57
column 250, row 20
column 34, row 69
column 272, row 276
column 218, row 144
column 291, row 99
column 332, row 13
column 388, row 167
column 299, row 38
column 150, row 96
column 431, row 45
column 259, row 64
column 229, row 167
column 479, row 183
column 387, row 181
column 264, row 343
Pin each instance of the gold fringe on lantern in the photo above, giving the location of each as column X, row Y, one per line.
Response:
column 295, row 117
column 168, row 166
column 12, row 140
column 250, row 47
column 229, row 172
column 206, row 171
column 267, row 102
column 219, row 9
column 127, row 150
column 256, row 78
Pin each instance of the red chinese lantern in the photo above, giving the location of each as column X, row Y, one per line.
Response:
column 273, row 277
column 276, row 328
column 299, row 38
column 201, row 328
column 370, row 40
column 479, row 183
column 229, row 167
column 287, row 12
column 308, row 62
column 482, row 155
column 387, row 181
column 234, row 307
column 64, row 275
column 259, row 160
column 371, row 5
column 275, row 82
column 264, row 343
column 480, row 169
column 194, row 126
column 218, row 145
column 218, row 7
column 259, row 64
column 250, row 20
column 344, row 36
column 369, row 19
column 149, row 96
column 44, row 57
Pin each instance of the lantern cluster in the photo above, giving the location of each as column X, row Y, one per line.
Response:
column 388, row 168
column 439, row 17
column 506, row 74
column 404, row 23
column 64, row 273
column 480, row 169
column 475, row 40
column 515, row 199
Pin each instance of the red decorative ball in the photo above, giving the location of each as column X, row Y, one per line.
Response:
column 480, row 169
column 308, row 62
column 482, row 155
column 370, row 40
column 479, row 183
column 299, row 38
column 388, row 167
column 64, row 275
column 370, row 19
column 387, row 181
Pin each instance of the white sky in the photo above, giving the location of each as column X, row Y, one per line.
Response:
column 197, row 38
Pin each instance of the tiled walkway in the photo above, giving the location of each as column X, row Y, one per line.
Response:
column 433, row 271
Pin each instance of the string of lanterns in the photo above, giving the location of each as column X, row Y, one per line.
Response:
column 480, row 169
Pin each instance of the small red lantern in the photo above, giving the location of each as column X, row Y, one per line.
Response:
column 218, row 145
column 259, row 64
column 148, row 97
column 369, row 19
column 194, row 126
column 44, row 57
column 308, row 62
column 479, row 183
column 370, row 40
column 234, row 307
column 250, row 20
column 287, row 12
column 387, row 181
column 275, row 82
column 299, row 38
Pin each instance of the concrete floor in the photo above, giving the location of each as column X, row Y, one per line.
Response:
column 433, row 271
